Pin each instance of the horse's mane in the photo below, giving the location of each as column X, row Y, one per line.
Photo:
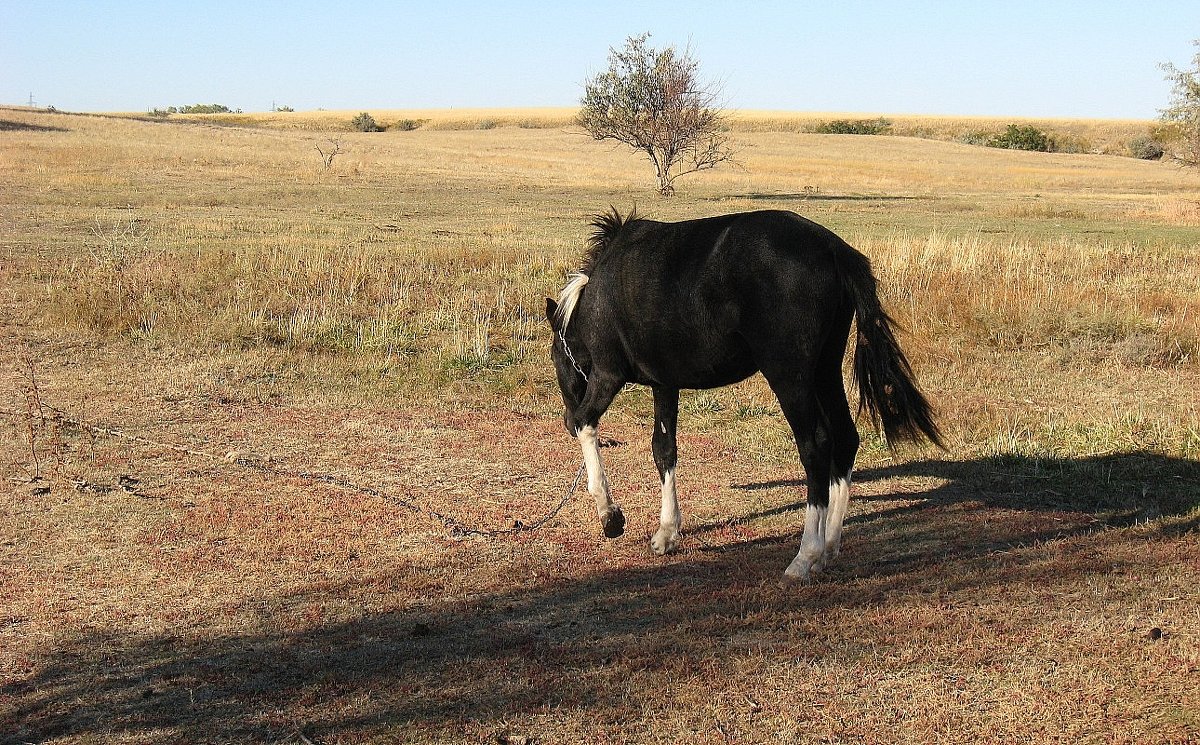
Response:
column 606, row 226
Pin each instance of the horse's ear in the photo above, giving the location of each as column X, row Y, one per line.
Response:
column 551, row 310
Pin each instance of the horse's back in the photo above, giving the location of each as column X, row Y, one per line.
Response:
column 723, row 246
column 696, row 297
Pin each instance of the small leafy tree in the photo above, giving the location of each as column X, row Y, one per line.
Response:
column 653, row 101
column 1182, row 117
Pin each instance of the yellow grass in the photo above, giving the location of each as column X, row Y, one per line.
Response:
column 1079, row 135
column 237, row 238
column 216, row 288
column 1099, row 135
column 468, row 118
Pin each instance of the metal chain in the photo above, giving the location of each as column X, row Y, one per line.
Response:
column 455, row 526
column 562, row 335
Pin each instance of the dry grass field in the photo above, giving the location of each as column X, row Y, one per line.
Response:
column 249, row 319
column 1080, row 135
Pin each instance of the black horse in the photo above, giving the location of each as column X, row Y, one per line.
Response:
column 706, row 303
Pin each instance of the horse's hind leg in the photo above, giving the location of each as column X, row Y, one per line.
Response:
column 799, row 403
column 600, row 393
column 844, row 441
column 666, row 414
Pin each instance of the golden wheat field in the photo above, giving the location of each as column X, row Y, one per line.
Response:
column 244, row 381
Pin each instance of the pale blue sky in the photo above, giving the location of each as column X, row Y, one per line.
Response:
column 1013, row 58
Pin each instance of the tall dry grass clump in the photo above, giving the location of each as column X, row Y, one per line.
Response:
column 457, row 311
column 1078, row 300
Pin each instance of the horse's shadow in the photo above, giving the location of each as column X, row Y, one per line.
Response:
column 1132, row 482
column 1110, row 490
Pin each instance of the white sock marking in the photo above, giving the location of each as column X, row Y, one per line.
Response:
column 597, row 480
column 810, row 558
column 667, row 537
column 839, row 502
column 669, row 516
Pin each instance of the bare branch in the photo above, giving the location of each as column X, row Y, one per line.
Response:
column 329, row 153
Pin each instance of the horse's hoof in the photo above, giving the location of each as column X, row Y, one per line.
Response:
column 665, row 541
column 832, row 551
column 790, row 579
column 614, row 522
column 801, row 572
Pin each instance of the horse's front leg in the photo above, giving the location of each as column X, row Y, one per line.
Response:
column 600, row 393
column 666, row 414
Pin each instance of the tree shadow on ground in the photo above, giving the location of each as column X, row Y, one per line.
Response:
column 7, row 125
column 573, row 643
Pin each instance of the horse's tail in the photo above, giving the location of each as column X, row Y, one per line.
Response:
column 887, row 388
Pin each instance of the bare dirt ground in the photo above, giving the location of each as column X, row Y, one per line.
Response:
column 157, row 596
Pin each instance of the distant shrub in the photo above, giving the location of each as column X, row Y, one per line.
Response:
column 1146, row 148
column 1070, row 143
column 485, row 124
column 364, row 122
column 1022, row 137
column 408, row 125
column 920, row 132
column 284, row 109
column 205, row 108
column 975, row 137
column 158, row 113
column 854, row 127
